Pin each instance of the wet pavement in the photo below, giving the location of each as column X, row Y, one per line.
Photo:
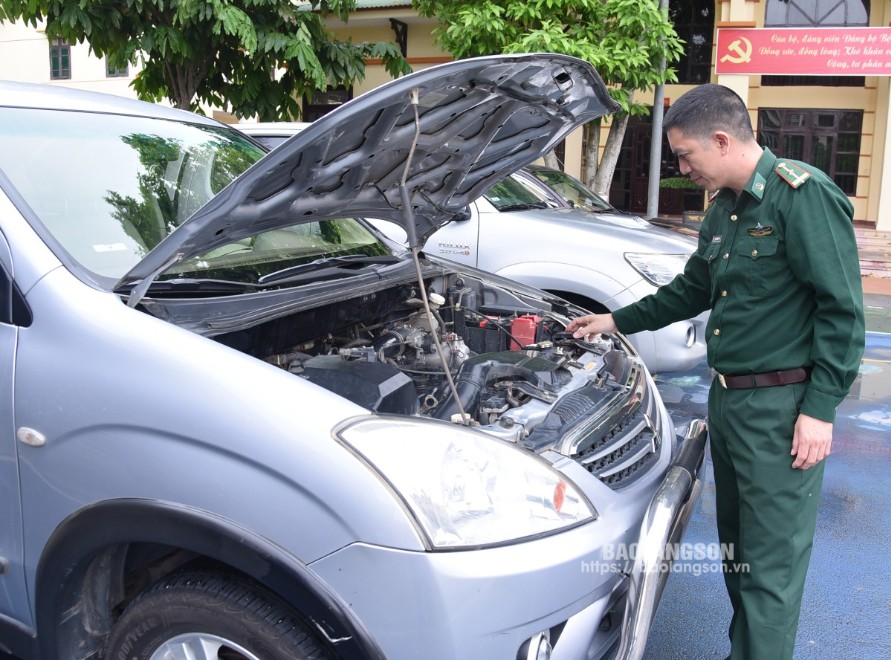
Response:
column 846, row 611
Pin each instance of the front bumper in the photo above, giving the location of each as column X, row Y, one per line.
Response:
column 489, row 603
column 664, row 524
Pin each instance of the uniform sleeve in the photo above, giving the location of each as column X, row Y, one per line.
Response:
column 822, row 252
column 684, row 297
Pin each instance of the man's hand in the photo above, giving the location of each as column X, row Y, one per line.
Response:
column 811, row 441
column 591, row 324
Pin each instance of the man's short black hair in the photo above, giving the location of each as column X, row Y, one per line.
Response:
column 708, row 108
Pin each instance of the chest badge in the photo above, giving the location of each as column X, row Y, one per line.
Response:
column 759, row 230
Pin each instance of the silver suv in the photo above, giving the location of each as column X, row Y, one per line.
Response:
column 236, row 422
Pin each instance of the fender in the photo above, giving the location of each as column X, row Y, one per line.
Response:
column 77, row 569
column 598, row 286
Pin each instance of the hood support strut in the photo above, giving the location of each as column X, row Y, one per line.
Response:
column 408, row 215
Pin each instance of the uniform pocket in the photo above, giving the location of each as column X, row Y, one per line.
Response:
column 763, row 263
column 711, row 256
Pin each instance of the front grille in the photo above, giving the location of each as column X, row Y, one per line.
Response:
column 622, row 455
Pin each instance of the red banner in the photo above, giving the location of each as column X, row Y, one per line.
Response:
column 804, row 51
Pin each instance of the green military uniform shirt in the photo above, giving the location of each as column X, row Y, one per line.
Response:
column 779, row 268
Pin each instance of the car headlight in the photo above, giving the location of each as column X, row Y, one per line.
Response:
column 657, row 269
column 465, row 488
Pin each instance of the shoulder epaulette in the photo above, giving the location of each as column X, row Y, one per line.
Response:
column 792, row 173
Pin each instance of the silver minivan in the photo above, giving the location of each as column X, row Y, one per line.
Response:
column 237, row 422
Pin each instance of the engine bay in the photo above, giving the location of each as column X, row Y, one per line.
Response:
column 515, row 373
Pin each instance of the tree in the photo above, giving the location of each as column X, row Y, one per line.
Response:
column 249, row 56
column 625, row 40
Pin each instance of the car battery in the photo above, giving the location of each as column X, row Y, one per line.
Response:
column 490, row 333
column 523, row 329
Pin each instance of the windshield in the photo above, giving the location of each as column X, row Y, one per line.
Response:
column 109, row 188
column 513, row 194
column 572, row 190
column 250, row 259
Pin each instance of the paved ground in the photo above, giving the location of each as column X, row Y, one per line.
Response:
column 846, row 612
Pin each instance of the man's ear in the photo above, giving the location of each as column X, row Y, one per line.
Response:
column 722, row 140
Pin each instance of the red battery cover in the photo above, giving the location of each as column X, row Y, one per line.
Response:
column 523, row 330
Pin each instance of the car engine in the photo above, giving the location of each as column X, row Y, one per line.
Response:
column 515, row 373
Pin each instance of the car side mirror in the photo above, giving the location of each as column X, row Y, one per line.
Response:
column 463, row 215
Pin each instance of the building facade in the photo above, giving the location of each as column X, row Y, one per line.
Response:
column 839, row 123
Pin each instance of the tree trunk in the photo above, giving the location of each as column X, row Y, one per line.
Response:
column 604, row 176
column 552, row 161
column 183, row 80
column 592, row 151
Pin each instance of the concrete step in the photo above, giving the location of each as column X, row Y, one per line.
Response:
column 875, row 251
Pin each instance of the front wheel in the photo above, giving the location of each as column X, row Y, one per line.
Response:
column 207, row 616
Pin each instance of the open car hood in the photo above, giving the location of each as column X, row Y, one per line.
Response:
column 479, row 120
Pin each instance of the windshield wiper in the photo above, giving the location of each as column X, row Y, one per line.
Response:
column 189, row 286
column 319, row 269
column 348, row 262
column 523, row 207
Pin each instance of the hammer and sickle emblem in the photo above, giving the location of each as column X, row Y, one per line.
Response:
column 743, row 49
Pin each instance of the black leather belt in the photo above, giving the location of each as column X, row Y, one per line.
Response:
column 767, row 379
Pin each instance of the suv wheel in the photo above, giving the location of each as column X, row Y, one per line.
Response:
column 208, row 616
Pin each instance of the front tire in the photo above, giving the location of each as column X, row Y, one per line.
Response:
column 208, row 616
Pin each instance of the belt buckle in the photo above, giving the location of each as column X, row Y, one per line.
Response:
column 721, row 380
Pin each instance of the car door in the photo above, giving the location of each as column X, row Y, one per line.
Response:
column 13, row 597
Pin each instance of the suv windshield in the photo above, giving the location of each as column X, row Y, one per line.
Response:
column 110, row 187
column 512, row 194
column 572, row 190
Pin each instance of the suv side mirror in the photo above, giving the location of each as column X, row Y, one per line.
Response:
column 463, row 215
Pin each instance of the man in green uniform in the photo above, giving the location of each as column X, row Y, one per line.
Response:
column 777, row 265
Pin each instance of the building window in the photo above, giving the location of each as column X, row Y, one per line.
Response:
column 60, row 60
column 827, row 139
column 816, row 13
column 321, row 103
column 111, row 71
column 694, row 21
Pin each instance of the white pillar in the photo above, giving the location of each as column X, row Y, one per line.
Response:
column 879, row 167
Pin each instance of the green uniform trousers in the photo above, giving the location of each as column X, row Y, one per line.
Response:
column 766, row 513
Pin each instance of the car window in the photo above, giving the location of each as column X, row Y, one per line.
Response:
column 511, row 192
column 572, row 190
column 109, row 188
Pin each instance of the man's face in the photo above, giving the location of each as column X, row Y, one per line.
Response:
column 702, row 160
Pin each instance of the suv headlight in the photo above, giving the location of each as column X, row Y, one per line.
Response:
column 465, row 488
column 657, row 269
